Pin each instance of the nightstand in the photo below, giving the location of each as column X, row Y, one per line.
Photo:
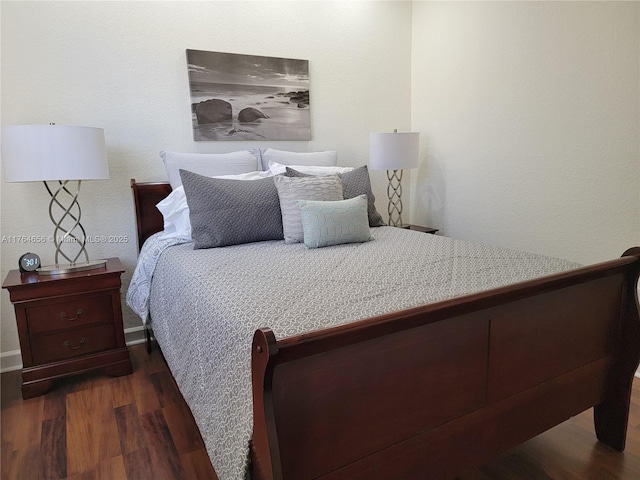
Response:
column 68, row 324
column 420, row 229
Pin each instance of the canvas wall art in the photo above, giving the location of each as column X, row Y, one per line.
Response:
column 248, row 97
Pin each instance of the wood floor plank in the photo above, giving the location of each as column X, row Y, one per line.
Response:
column 10, row 425
column 146, row 364
column 182, row 431
column 164, row 456
column 143, row 393
column 90, row 475
column 53, row 448
column 197, row 465
column 129, row 429
column 175, row 412
column 138, row 464
column 30, row 415
column 25, row 464
column 121, row 391
column 111, row 469
column 91, row 429
column 165, row 388
column 21, row 437
column 55, row 404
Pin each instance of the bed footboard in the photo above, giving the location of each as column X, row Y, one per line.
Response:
column 437, row 390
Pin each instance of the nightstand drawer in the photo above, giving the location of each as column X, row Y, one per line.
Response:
column 71, row 314
column 72, row 343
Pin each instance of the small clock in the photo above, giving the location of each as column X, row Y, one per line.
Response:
column 29, row 262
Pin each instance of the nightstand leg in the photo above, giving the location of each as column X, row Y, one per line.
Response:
column 35, row 389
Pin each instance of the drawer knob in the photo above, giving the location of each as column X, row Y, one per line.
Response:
column 66, row 344
column 78, row 313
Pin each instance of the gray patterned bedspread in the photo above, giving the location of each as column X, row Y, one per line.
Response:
column 206, row 304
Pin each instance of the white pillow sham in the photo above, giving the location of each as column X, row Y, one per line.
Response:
column 175, row 211
column 317, row 170
column 209, row 164
column 328, row 158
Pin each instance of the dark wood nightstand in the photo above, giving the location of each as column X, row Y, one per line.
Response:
column 420, row 229
column 68, row 324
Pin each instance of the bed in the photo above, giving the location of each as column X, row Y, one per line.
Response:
column 414, row 389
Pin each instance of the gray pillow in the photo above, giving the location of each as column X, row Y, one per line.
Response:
column 354, row 183
column 230, row 212
column 291, row 189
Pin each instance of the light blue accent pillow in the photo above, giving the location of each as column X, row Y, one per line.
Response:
column 326, row 223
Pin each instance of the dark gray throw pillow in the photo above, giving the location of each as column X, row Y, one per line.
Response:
column 354, row 183
column 230, row 212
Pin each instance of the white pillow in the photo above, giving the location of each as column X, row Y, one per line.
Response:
column 209, row 164
column 175, row 211
column 327, row 158
column 278, row 169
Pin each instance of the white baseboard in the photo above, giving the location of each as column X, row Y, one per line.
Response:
column 12, row 360
column 135, row 335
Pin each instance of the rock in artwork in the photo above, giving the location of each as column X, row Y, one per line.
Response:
column 248, row 97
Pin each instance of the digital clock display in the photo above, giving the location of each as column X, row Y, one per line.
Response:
column 29, row 262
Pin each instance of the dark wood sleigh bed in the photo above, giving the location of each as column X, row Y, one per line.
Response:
column 444, row 388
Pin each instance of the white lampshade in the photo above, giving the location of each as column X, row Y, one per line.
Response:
column 394, row 151
column 53, row 152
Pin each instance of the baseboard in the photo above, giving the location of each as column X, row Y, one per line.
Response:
column 12, row 360
column 135, row 335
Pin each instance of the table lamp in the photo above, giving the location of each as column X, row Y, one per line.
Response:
column 63, row 154
column 393, row 152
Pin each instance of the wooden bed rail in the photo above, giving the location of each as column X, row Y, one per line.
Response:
column 437, row 390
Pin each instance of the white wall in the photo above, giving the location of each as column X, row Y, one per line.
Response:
column 121, row 66
column 530, row 122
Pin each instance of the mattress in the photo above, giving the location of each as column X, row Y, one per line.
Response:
column 205, row 306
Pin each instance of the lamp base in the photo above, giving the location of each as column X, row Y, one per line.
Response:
column 394, row 192
column 71, row 268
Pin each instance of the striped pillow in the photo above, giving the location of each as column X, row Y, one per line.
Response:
column 291, row 189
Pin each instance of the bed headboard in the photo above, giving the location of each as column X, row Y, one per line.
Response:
column 145, row 197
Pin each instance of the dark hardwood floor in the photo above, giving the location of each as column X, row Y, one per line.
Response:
column 138, row 427
column 100, row 427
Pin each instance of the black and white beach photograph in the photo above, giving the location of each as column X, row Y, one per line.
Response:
column 248, row 97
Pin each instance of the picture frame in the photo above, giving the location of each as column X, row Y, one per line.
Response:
column 236, row 97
